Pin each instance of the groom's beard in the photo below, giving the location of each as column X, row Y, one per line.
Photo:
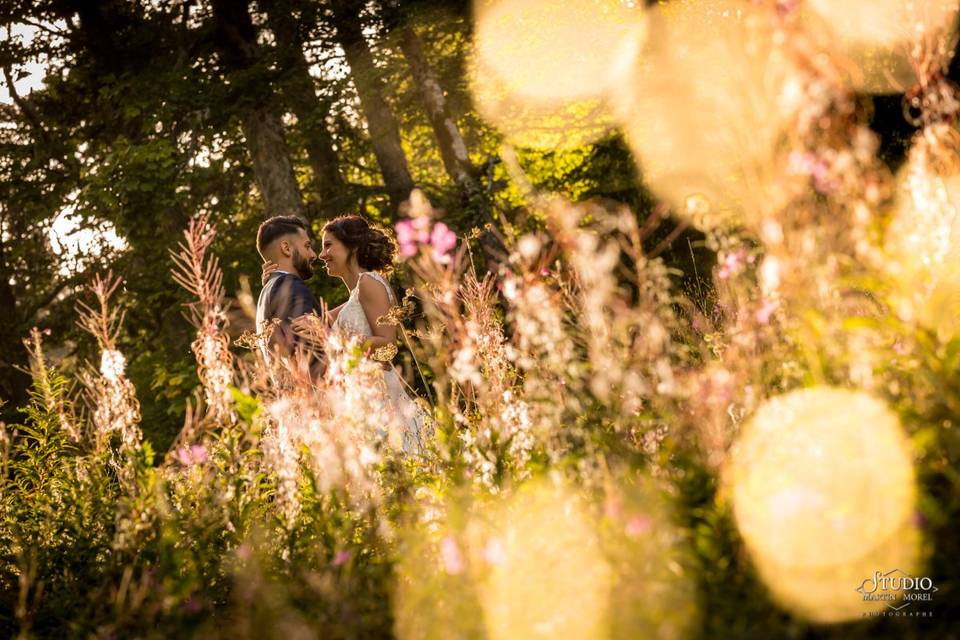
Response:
column 304, row 270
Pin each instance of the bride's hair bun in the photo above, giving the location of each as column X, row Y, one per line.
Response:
column 374, row 249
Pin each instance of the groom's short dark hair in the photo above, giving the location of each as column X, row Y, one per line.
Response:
column 276, row 227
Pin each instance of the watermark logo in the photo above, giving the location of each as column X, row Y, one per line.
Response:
column 898, row 590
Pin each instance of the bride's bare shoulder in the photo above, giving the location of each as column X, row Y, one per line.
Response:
column 374, row 287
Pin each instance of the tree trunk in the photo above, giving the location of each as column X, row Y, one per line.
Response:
column 381, row 123
column 236, row 39
column 271, row 161
column 14, row 383
column 299, row 90
column 453, row 149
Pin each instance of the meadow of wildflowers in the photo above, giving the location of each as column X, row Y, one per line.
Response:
column 610, row 457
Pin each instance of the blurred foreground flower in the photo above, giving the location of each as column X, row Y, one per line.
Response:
column 924, row 234
column 884, row 37
column 442, row 241
column 553, row 581
column 547, row 562
column 191, row 455
column 823, row 492
column 412, row 233
column 538, row 89
column 701, row 108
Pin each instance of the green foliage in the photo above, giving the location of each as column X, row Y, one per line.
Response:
column 197, row 549
column 58, row 508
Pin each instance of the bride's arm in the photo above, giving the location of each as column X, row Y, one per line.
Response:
column 376, row 303
column 332, row 314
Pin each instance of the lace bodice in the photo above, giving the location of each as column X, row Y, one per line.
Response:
column 352, row 317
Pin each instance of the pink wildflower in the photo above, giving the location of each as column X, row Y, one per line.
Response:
column 786, row 7
column 638, row 525
column 451, row 556
column 341, row 558
column 765, row 311
column 612, row 507
column 700, row 324
column 191, row 455
column 806, row 163
column 412, row 233
column 443, row 240
column 732, row 264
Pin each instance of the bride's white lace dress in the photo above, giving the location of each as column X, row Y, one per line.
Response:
column 407, row 415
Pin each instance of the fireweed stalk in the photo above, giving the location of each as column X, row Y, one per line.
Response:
column 462, row 340
column 197, row 270
column 53, row 402
column 573, row 331
column 111, row 397
column 335, row 425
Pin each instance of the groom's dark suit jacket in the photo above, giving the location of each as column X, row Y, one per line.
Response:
column 285, row 296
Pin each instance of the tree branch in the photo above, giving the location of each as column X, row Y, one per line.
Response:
column 40, row 25
column 25, row 107
column 49, row 297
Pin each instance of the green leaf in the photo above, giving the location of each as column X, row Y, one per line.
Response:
column 248, row 407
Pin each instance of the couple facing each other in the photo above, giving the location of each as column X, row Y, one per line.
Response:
column 356, row 252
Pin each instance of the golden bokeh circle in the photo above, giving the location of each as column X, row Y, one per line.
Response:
column 824, row 494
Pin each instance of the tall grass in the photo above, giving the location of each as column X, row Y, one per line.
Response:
column 283, row 509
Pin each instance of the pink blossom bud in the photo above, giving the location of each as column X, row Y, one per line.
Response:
column 451, row 556
column 442, row 238
column 191, row 455
column 638, row 525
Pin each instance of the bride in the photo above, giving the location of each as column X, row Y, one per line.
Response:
column 357, row 253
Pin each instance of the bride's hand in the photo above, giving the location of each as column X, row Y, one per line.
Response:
column 266, row 270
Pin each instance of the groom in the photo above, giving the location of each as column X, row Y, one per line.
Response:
column 285, row 241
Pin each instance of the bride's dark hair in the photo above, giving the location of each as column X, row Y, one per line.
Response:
column 374, row 249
